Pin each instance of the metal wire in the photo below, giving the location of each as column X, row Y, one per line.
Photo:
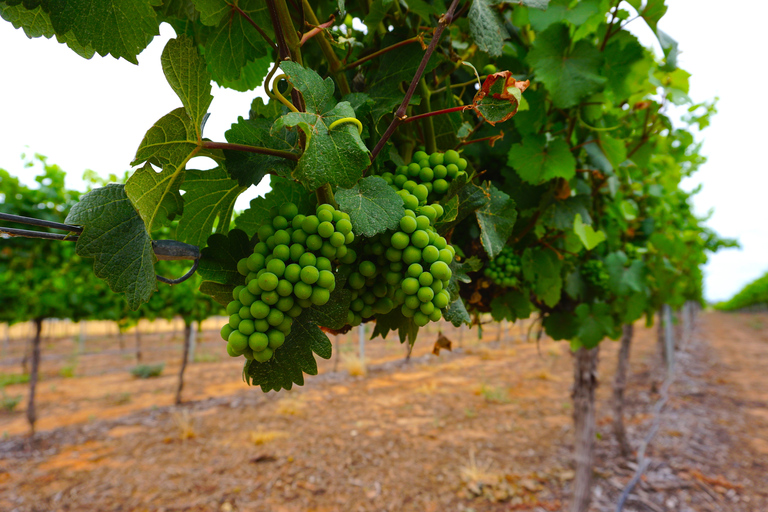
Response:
column 26, row 233
column 39, row 222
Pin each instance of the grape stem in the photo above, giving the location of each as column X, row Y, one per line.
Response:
column 381, row 52
column 325, row 195
column 399, row 117
column 436, row 113
column 253, row 23
column 250, row 149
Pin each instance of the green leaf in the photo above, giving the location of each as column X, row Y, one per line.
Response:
column 333, row 314
column 595, row 323
column 210, row 195
column 317, row 93
column 560, row 325
column 249, row 168
column 562, row 213
column 396, row 66
column 372, row 205
column 537, row 161
column 251, row 76
column 541, row 267
column 155, row 195
column 496, row 220
column 624, row 280
column 470, row 199
column 614, row 149
column 283, row 191
column 625, row 66
column 292, row 360
column 377, row 11
column 232, row 43
column 186, row 73
column 588, row 236
column 37, row 23
column 394, row 320
column 122, row 28
column 218, row 261
column 487, row 27
column 115, row 236
column 456, row 313
column 511, row 306
column 570, row 73
column 460, row 274
column 221, row 293
column 561, row 10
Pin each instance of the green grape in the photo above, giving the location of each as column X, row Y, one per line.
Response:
column 268, row 281
column 242, row 266
column 595, row 273
column 226, row 330
column 259, row 310
column 310, row 275
column 258, row 341
column 238, row 341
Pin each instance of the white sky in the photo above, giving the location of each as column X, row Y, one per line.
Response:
column 92, row 115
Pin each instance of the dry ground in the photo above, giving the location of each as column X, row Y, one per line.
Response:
column 484, row 428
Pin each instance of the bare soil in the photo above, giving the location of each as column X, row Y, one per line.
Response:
column 486, row 427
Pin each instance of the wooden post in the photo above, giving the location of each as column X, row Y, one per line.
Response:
column 584, row 385
column 138, row 344
column 81, row 337
column 187, row 341
column 31, row 412
column 193, row 341
column 669, row 342
column 361, row 342
column 619, row 386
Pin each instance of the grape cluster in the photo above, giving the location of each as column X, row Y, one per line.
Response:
column 505, row 269
column 631, row 251
column 595, row 274
column 428, row 177
column 290, row 270
column 406, row 268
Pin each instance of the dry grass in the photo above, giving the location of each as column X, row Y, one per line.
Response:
column 355, row 366
column 185, row 423
column 291, row 406
column 542, row 374
column 493, row 394
column 259, row 437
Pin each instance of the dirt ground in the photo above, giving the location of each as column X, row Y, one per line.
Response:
column 486, row 427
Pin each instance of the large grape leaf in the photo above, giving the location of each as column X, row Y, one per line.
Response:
column 587, row 234
column 116, row 237
column 470, row 198
column 37, row 23
column 569, row 72
column 626, row 63
column 559, row 10
column 486, row 27
column 291, row 361
column 395, row 67
column 250, row 168
column 499, row 97
column 594, row 323
column 336, row 156
column 460, row 274
column 187, row 76
column 456, row 313
column 210, row 195
column 562, row 213
column 283, row 191
column 218, row 260
column 624, row 279
column 231, row 42
column 372, row 205
column 122, row 28
column 541, row 267
column 537, row 161
column 395, row 321
column 511, row 306
column 334, row 313
column 496, row 220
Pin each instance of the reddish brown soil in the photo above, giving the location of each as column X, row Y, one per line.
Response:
column 485, row 428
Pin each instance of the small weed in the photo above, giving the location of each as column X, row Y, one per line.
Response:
column 119, row 399
column 68, row 371
column 259, row 437
column 469, row 413
column 202, row 357
column 291, row 406
column 185, row 422
column 493, row 395
column 8, row 379
column 756, row 324
column 147, row 371
column 9, row 403
column 355, row 366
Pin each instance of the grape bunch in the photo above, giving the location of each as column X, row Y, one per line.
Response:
column 595, row 274
column 428, row 177
column 631, row 251
column 505, row 269
column 291, row 269
column 406, row 268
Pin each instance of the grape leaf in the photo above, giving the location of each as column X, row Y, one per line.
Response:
column 624, row 279
column 249, row 168
column 394, row 320
column 614, row 149
column 332, row 314
column 37, row 23
column 471, row 197
column 537, row 161
column 456, row 313
column 337, row 157
column 511, row 306
column 562, row 213
column 460, row 273
column 218, row 260
column 372, row 205
column 116, row 237
column 499, row 97
column 293, row 359
column 587, row 234
column 559, row 10
column 487, row 27
column 560, row 325
column 209, row 195
column 496, row 220
column 541, row 267
column 221, row 293
column 595, row 323
column 283, row 191
column 122, row 28
column 187, row 76
column 569, row 72
column 231, row 42
column 622, row 67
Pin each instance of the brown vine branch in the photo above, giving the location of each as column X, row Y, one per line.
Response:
column 317, row 29
column 451, row 110
column 373, row 55
column 253, row 23
column 251, row 149
column 445, row 20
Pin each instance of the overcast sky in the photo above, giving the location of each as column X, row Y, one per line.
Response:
column 92, row 115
